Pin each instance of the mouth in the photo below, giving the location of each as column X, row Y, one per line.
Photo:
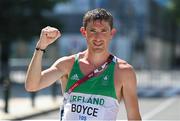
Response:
column 97, row 43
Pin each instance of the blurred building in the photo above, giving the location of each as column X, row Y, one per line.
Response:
column 163, row 35
column 144, row 37
column 130, row 19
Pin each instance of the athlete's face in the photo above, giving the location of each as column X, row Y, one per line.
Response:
column 98, row 35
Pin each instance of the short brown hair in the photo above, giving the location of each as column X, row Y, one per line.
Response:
column 98, row 14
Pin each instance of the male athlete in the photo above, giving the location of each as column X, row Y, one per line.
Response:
column 93, row 81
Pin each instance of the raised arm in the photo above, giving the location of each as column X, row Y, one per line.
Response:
column 130, row 92
column 35, row 76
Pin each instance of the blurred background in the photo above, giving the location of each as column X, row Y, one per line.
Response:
column 148, row 37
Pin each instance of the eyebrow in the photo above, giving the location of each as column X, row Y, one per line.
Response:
column 103, row 29
column 94, row 28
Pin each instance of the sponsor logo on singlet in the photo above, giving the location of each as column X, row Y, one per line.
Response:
column 105, row 80
column 75, row 77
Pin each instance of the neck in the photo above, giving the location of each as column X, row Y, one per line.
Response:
column 96, row 59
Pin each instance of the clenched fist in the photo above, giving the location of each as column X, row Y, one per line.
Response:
column 48, row 36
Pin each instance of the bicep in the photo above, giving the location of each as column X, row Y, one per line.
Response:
column 130, row 94
column 52, row 74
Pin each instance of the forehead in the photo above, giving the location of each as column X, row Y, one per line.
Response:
column 98, row 24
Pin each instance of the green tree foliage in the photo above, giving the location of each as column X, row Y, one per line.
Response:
column 175, row 9
column 22, row 19
column 25, row 18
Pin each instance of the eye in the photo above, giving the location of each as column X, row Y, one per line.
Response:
column 104, row 31
column 92, row 30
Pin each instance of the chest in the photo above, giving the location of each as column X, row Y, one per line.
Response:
column 101, row 84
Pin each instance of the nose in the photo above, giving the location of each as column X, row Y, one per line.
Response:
column 97, row 34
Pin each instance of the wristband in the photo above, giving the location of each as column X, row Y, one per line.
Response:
column 40, row 49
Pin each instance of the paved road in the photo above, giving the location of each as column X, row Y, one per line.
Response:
column 151, row 109
column 52, row 115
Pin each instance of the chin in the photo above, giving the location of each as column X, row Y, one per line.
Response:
column 98, row 50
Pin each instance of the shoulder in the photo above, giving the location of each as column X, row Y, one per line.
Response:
column 125, row 71
column 65, row 60
column 70, row 59
column 124, row 66
column 65, row 63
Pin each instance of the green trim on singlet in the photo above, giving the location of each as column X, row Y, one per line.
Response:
column 99, row 85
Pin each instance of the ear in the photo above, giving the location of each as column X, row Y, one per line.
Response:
column 113, row 32
column 83, row 31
